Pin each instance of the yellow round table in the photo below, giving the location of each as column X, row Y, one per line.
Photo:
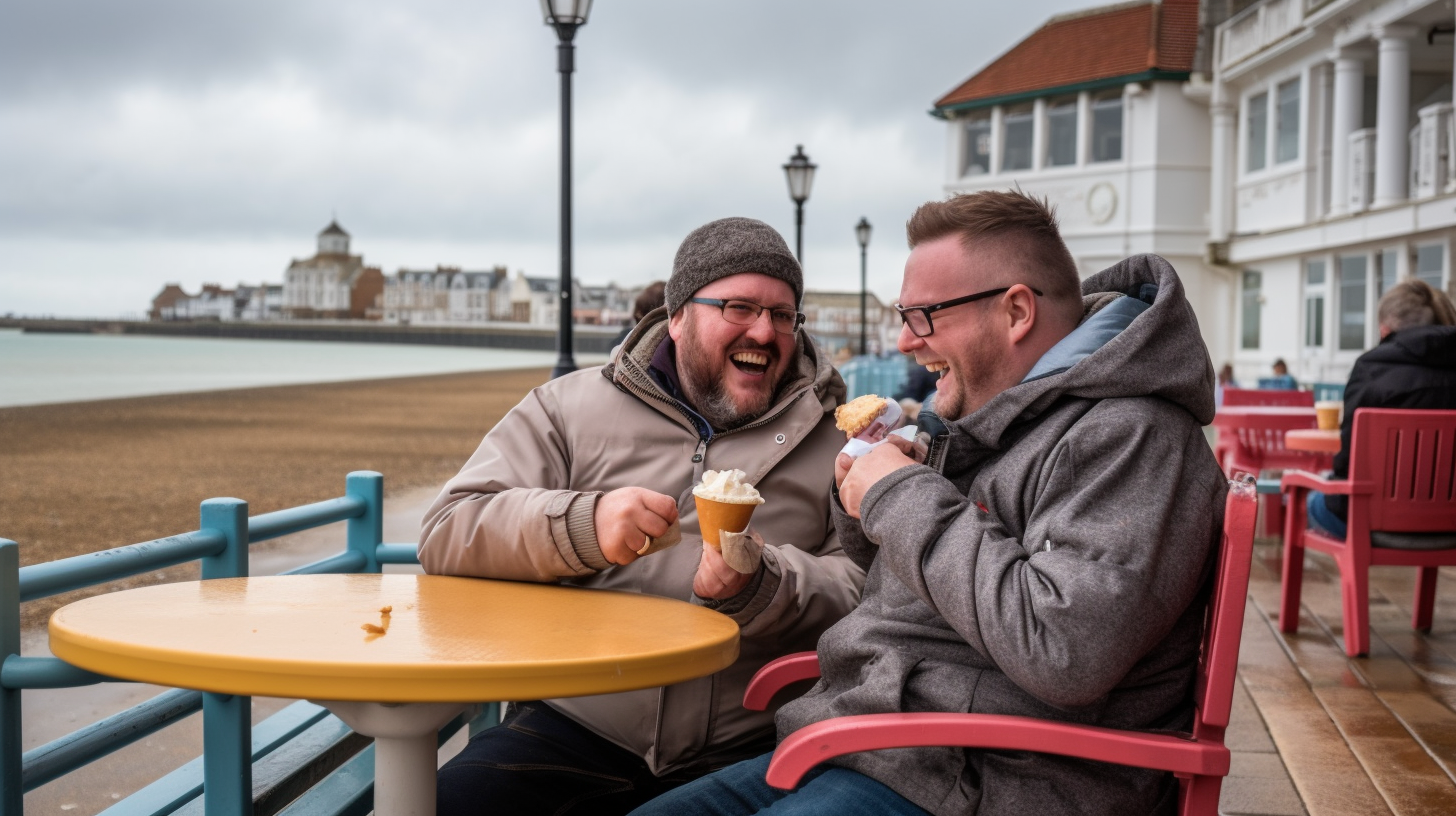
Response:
column 445, row 642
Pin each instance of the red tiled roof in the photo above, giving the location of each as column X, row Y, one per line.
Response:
column 1111, row 41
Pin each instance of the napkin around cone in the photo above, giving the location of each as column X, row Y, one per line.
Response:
column 714, row 516
column 662, row 542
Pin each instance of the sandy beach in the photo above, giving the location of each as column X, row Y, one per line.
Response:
column 82, row 477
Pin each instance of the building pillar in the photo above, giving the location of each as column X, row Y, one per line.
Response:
column 1392, row 120
column 1084, row 128
column 1038, row 133
column 1225, row 116
column 998, row 140
column 1347, row 109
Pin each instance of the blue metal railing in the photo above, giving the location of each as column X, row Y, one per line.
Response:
column 873, row 375
column 221, row 544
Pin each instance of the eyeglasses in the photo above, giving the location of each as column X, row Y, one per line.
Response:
column 744, row 313
column 918, row 317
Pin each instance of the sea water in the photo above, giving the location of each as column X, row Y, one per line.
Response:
column 37, row 369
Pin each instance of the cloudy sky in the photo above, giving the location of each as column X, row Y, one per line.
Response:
column 158, row 140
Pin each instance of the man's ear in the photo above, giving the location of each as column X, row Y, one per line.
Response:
column 1020, row 312
column 675, row 323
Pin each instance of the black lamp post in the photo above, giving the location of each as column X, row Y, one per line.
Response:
column 862, row 232
column 800, row 172
column 566, row 16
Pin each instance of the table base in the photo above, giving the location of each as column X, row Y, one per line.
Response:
column 405, row 750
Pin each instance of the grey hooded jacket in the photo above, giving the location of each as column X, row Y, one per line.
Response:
column 1051, row 560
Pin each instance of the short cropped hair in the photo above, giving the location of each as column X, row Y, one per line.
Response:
column 1022, row 223
column 1413, row 302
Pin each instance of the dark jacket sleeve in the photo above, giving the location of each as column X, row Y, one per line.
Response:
column 1125, row 515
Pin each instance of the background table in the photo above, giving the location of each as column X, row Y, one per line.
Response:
column 1313, row 440
column 449, row 642
column 1233, row 416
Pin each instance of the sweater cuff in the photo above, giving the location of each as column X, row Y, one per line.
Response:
column 581, row 530
column 752, row 599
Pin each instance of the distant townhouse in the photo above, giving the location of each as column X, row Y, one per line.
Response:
column 446, row 294
column 608, row 305
column 535, row 300
column 1332, row 171
column 164, row 305
column 262, row 302
column 833, row 319
column 332, row 284
column 1100, row 111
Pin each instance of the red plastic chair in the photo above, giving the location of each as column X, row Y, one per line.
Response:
column 1257, row 444
column 1200, row 761
column 1222, row 442
column 1402, row 512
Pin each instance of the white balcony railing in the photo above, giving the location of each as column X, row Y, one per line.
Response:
column 1258, row 27
column 1431, row 151
column 1362, row 169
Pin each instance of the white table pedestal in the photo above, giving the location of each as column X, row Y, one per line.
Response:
column 405, row 750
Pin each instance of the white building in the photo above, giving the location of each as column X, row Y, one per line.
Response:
column 1115, row 135
column 446, row 294
column 333, row 283
column 1332, row 148
column 833, row 319
column 535, row 300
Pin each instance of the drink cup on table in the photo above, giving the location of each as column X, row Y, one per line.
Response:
column 1327, row 414
column 725, row 502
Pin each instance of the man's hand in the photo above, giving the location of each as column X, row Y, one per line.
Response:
column 716, row 580
column 626, row 517
column 868, row 469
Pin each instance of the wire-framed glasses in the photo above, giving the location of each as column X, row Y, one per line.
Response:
column 745, row 313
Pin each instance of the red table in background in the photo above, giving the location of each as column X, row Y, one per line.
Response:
column 1316, row 441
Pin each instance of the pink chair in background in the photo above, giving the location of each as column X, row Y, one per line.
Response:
column 1257, row 444
column 1402, row 512
column 1233, row 397
column 1200, row 761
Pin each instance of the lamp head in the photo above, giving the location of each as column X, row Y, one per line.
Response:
column 800, row 173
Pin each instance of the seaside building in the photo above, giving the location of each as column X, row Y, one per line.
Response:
column 332, row 284
column 1101, row 112
column 446, row 294
column 534, row 300
column 833, row 319
column 262, row 302
column 1332, row 171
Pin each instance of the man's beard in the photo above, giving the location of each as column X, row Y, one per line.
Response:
column 707, row 394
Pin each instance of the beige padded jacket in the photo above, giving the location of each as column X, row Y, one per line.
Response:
column 521, row 509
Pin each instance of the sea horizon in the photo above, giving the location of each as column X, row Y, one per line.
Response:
column 45, row 369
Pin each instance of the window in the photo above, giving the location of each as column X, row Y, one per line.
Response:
column 1061, row 117
column 1017, row 146
column 1352, row 302
column 1314, row 303
column 1430, row 262
column 1250, row 313
column 1286, row 121
column 1107, row 126
column 1258, row 135
column 978, row 146
column 1386, row 272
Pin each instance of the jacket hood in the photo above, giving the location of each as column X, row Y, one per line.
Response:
column 1430, row 346
column 633, row 358
column 1160, row 353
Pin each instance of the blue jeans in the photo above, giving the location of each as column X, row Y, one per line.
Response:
column 1321, row 518
column 739, row 790
column 539, row 761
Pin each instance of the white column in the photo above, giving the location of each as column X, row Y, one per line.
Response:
column 998, row 139
column 1038, row 133
column 1348, row 105
column 1084, row 127
column 955, row 149
column 1392, row 120
column 1221, row 164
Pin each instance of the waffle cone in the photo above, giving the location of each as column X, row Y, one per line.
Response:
column 715, row 515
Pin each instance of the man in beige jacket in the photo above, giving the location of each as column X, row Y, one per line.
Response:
column 569, row 485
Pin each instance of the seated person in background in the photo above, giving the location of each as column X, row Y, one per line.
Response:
column 1051, row 557
column 1413, row 366
column 1281, row 380
column 1225, row 380
column 573, row 481
column 648, row 299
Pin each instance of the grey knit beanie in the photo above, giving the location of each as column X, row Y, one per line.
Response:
column 726, row 247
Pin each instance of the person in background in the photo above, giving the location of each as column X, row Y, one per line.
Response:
column 1225, row 380
column 1413, row 366
column 1281, row 380
column 648, row 299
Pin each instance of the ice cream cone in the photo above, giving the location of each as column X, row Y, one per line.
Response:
column 716, row 515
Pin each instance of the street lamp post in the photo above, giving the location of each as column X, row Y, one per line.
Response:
column 862, row 232
column 566, row 16
column 800, row 172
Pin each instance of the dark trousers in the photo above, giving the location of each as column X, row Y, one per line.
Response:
column 538, row 761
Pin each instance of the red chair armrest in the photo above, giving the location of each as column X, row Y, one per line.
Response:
column 1305, row 479
column 775, row 675
column 814, row 744
column 808, row 746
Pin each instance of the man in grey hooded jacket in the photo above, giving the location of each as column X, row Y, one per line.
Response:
column 1049, row 556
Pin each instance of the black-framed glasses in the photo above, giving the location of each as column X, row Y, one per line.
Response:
column 745, row 313
column 918, row 317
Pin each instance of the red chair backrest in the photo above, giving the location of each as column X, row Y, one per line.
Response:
column 1410, row 458
column 1266, row 396
column 1258, row 443
column 1213, row 690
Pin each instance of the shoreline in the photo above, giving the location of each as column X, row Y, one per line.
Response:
column 87, row 476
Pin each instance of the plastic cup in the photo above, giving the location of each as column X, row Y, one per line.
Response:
column 714, row 516
column 1327, row 414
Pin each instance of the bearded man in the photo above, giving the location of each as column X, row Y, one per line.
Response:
column 569, row 485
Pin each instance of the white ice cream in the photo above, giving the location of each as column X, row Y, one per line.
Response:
column 727, row 486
